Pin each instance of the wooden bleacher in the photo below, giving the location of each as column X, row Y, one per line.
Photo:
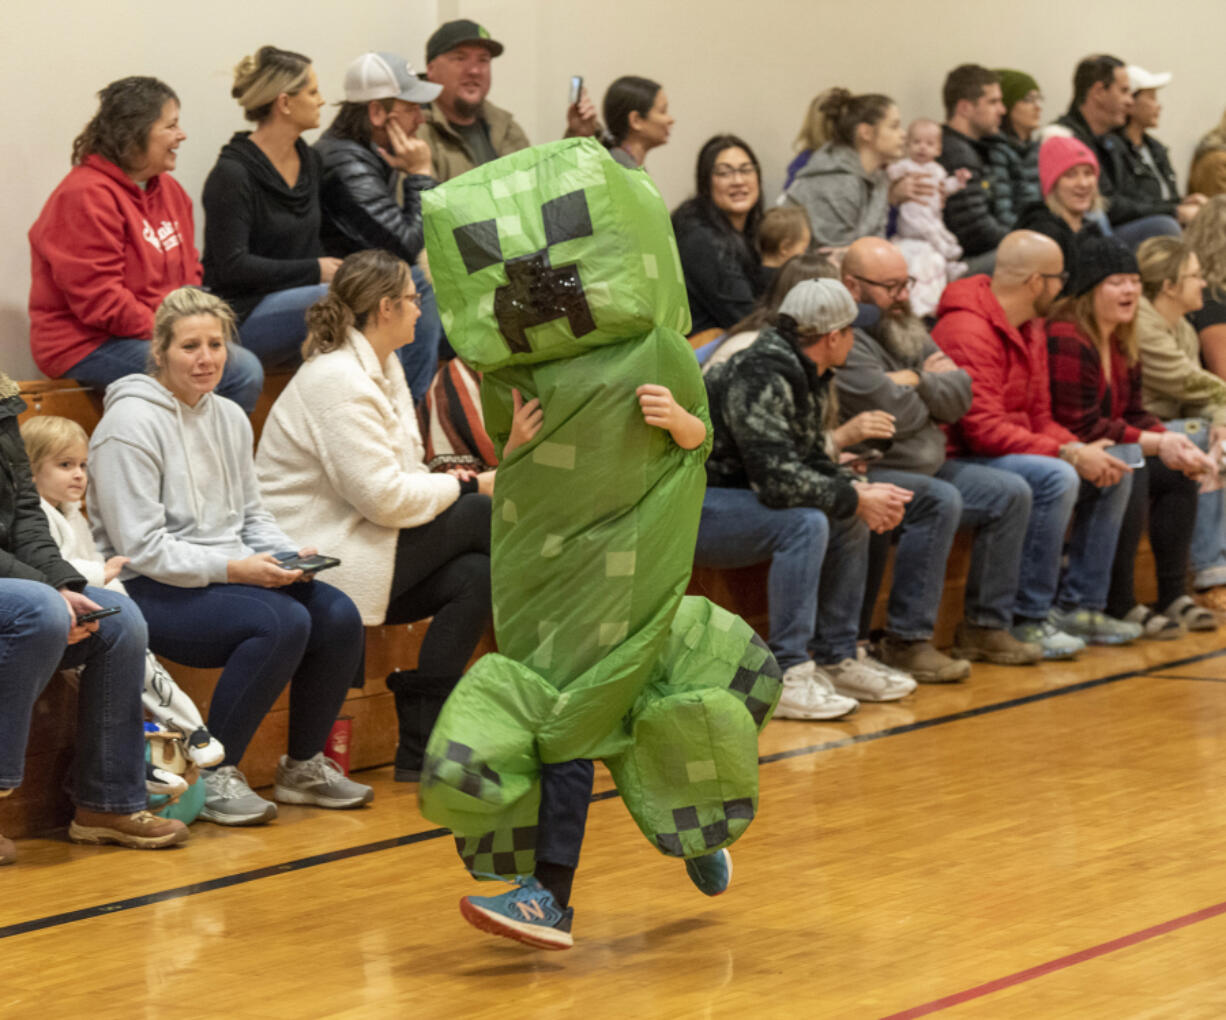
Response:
column 42, row 803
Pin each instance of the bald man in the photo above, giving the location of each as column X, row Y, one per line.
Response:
column 895, row 367
column 993, row 329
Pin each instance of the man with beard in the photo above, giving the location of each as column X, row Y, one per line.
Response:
column 463, row 128
column 993, row 329
column 895, row 366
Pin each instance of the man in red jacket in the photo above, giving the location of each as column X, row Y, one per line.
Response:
column 992, row 328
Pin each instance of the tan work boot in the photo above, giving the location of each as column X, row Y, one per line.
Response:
column 140, row 831
column 993, row 644
column 922, row 661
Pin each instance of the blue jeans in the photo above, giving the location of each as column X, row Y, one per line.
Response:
column 420, row 358
column 109, row 764
column 308, row 635
column 241, row 381
column 1136, row 231
column 814, row 562
column 1053, row 488
column 997, row 505
column 1097, row 517
column 275, row 328
column 1207, row 556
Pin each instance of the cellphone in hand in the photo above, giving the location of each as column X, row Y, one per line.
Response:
column 1129, row 453
column 576, row 88
column 307, row 564
column 864, row 457
column 96, row 614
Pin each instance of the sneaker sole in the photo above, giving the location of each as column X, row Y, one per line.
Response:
column 284, row 795
column 718, row 892
column 207, row 761
column 96, row 834
column 795, row 716
column 222, row 818
column 529, row 934
column 871, row 696
column 941, row 678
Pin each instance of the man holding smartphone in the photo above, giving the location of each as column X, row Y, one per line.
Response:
column 463, row 128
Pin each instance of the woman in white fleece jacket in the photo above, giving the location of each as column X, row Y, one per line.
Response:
column 341, row 459
column 174, row 490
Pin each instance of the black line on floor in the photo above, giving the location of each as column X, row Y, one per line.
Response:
column 287, row 867
column 1199, row 679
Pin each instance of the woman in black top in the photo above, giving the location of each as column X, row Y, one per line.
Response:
column 262, row 251
column 717, row 234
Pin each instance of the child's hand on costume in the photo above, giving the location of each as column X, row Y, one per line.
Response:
column 525, row 421
column 112, row 568
column 662, row 411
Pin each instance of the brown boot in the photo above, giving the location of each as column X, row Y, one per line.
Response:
column 922, row 661
column 140, row 831
column 993, row 644
column 8, row 852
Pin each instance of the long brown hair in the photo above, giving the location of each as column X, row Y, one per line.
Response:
column 1080, row 312
column 363, row 280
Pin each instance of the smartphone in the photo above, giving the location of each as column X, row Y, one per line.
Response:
column 1129, row 453
column 307, row 564
column 576, row 88
column 97, row 614
column 864, row 457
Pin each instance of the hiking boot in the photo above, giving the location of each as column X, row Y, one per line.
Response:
column 866, row 679
column 141, row 830
column 922, row 661
column 319, row 781
column 1056, row 644
column 809, row 694
column 228, row 800
column 993, row 644
column 712, row 873
column 1094, row 626
column 528, row 914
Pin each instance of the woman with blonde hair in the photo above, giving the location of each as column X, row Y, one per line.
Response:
column 1207, row 237
column 1188, row 397
column 175, row 492
column 262, row 250
column 341, row 458
column 1208, row 174
column 1096, row 394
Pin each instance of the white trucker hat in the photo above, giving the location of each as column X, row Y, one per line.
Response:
column 386, row 76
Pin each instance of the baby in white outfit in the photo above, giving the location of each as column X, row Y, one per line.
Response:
column 920, row 219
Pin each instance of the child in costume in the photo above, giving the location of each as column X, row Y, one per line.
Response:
column 558, row 277
column 57, row 449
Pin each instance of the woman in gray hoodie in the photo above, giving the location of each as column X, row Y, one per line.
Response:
column 174, row 490
column 843, row 187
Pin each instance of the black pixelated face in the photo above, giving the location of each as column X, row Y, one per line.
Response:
column 536, row 291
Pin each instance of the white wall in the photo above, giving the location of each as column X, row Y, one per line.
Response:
column 745, row 66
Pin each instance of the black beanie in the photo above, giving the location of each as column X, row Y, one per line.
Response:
column 1097, row 258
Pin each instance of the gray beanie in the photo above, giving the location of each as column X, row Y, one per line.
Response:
column 823, row 305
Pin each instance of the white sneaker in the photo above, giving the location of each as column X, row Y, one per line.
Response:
column 868, row 679
column 809, row 694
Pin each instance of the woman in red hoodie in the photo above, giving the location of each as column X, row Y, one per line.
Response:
column 114, row 238
column 1096, row 395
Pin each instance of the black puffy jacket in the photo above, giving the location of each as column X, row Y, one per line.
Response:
column 358, row 195
column 968, row 211
column 27, row 550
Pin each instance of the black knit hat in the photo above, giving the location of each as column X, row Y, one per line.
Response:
column 1097, row 258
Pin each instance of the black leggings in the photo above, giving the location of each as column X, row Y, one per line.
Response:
column 1170, row 498
column 443, row 570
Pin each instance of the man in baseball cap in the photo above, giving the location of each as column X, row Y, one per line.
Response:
column 463, row 128
column 368, row 147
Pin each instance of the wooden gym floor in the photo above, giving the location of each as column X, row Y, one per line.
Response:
column 1043, row 842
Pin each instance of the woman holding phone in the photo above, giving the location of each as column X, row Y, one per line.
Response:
column 1096, row 394
column 341, row 458
column 175, row 491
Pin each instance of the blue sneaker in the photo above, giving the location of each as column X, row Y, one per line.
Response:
column 712, row 873
column 528, row 913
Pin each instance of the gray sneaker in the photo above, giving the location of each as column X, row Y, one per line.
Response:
column 228, row 800
column 1094, row 627
column 318, row 781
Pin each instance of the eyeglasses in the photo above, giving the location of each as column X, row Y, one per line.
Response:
column 892, row 288
column 723, row 170
column 1062, row 277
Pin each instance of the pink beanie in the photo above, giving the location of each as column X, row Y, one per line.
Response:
column 1059, row 155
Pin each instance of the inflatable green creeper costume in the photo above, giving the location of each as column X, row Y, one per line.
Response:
column 557, row 274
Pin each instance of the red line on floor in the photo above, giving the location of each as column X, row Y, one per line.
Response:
column 1060, row 963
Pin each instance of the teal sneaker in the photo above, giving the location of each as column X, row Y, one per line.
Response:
column 712, row 873
column 1056, row 644
column 528, row 914
column 1094, row 626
